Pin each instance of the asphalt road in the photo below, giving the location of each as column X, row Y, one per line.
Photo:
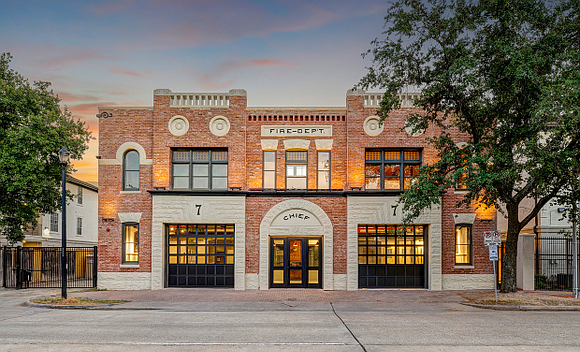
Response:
column 283, row 326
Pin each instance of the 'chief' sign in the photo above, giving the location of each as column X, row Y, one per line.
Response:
column 296, row 130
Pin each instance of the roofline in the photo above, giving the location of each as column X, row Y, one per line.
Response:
column 76, row 181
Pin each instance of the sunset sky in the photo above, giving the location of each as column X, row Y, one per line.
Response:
column 106, row 53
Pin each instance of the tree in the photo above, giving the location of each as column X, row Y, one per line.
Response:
column 504, row 73
column 33, row 128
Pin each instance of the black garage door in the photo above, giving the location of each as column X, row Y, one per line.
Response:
column 200, row 255
column 391, row 256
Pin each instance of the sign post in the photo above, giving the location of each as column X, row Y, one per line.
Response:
column 492, row 239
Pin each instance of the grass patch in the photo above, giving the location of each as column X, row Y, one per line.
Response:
column 76, row 301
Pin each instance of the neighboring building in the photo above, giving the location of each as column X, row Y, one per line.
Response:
column 200, row 190
column 81, row 220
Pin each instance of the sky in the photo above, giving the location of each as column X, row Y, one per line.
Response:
column 115, row 53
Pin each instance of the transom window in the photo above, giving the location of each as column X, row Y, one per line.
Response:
column 200, row 169
column 391, row 169
column 296, row 169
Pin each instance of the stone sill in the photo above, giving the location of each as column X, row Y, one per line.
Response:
column 132, row 266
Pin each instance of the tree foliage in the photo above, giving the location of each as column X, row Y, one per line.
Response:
column 504, row 73
column 33, row 128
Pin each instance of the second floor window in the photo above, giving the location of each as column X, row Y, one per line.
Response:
column 80, row 195
column 296, row 170
column 131, row 171
column 323, row 170
column 200, row 169
column 269, row 177
column 53, row 222
column 391, row 169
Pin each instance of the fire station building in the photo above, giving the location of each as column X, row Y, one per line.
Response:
column 200, row 190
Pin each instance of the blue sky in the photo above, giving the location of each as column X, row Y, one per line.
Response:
column 104, row 53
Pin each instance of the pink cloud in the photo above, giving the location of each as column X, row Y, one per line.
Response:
column 211, row 81
column 68, row 97
column 129, row 72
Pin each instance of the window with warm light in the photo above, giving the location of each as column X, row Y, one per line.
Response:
column 296, row 170
column 131, row 171
column 269, row 176
column 323, row 170
column 391, row 169
column 130, row 243
column 463, row 245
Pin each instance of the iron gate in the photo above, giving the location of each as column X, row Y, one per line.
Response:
column 553, row 264
column 40, row 267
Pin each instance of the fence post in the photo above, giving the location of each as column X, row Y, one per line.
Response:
column 525, row 262
column 95, row 261
column 18, row 267
column 4, row 267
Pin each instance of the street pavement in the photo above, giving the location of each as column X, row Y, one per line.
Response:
column 279, row 320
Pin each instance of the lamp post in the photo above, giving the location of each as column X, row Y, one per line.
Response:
column 63, row 155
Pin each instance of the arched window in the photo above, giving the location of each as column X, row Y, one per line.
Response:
column 131, row 171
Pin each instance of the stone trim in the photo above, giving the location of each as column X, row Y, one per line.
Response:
column 131, row 145
column 219, row 125
column 178, row 125
column 468, row 281
column 322, row 229
column 129, row 217
column 269, row 144
column 464, row 218
column 124, row 280
column 373, row 126
column 296, row 144
column 323, row 144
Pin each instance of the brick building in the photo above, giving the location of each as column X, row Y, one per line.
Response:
column 201, row 190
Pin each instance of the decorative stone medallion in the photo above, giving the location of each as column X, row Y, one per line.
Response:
column 178, row 125
column 373, row 126
column 219, row 125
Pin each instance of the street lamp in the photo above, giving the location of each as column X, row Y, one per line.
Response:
column 64, row 156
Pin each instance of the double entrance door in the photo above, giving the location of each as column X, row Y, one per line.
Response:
column 296, row 262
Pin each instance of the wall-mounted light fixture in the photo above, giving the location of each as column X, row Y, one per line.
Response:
column 46, row 231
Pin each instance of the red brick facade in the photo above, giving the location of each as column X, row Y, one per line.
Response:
column 147, row 130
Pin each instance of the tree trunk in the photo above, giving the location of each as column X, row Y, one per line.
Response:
column 508, row 269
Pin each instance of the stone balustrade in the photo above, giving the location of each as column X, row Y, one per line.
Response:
column 407, row 99
column 199, row 100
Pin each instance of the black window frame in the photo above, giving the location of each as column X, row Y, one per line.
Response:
column 382, row 162
column 469, row 245
column 295, row 162
column 209, row 162
column 318, row 170
column 124, row 246
column 264, row 170
column 126, row 171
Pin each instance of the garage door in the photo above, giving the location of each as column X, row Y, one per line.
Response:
column 200, row 255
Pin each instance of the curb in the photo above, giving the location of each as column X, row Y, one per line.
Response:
column 526, row 308
column 55, row 306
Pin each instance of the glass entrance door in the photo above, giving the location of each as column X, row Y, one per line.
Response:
column 296, row 262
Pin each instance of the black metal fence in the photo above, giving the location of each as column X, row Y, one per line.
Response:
column 41, row 267
column 553, row 269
